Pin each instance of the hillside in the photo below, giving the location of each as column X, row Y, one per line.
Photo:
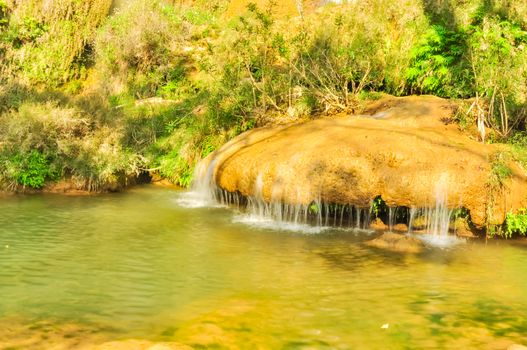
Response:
column 102, row 94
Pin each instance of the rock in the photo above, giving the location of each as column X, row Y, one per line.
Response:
column 517, row 347
column 396, row 242
column 462, row 229
column 400, row 228
column 377, row 224
column 353, row 159
column 141, row 345
column 170, row 346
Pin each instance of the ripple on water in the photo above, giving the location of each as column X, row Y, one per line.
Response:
column 140, row 263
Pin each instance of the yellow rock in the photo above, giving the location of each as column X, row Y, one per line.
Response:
column 400, row 149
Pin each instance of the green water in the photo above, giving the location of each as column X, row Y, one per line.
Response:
column 138, row 265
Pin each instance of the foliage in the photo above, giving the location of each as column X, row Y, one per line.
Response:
column 30, row 169
column 157, row 85
column 314, row 209
column 140, row 49
column 437, row 64
column 500, row 171
column 66, row 140
column 379, row 207
column 4, row 12
column 516, row 223
column 49, row 42
column 499, row 61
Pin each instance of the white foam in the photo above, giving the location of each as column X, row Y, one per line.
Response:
column 270, row 224
column 440, row 241
column 196, row 199
column 266, row 222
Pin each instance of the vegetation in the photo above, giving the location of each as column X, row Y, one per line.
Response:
column 516, row 223
column 98, row 97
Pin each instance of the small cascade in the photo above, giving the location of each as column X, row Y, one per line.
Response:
column 439, row 218
column 318, row 214
column 203, row 191
column 436, row 220
column 411, row 214
column 392, row 211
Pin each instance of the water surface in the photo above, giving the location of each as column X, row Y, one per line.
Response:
column 139, row 265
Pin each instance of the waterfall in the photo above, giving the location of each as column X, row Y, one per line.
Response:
column 203, row 190
column 411, row 214
column 392, row 211
column 318, row 214
column 437, row 219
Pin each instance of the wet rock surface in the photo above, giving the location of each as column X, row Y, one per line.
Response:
column 517, row 347
column 396, row 242
column 400, row 149
column 141, row 345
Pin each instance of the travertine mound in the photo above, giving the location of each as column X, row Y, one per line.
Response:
column 407, row 150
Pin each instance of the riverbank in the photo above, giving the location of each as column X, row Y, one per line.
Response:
column 396, row 152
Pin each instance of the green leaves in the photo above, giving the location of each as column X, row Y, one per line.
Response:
column 31, row 169
column 516, row 223
column 4, row 11
column 437, row 64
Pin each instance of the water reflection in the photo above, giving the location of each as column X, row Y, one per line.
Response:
column 137, row 265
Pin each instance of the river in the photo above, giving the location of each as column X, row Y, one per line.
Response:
column 75, row 270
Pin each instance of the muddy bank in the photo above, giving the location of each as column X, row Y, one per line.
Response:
column 406, row 150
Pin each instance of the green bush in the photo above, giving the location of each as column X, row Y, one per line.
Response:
column 30, row 169
column 516, row 223
column 4, row 13
column 139, row 49
column 500, row 171
column 49, row 43
column 438, row 65
column 161, row 86
column 499, row 60
column 69, row 141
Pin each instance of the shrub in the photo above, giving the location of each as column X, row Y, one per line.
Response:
column 4, row 12
column 516, row 223
column 172, row 83
column 49, row 42
column 67, row 141
column 140, row 48
column 500, row 171
column 30, row 169
column 499, row 60
column 438, row 65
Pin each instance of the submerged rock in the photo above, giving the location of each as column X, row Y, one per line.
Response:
column 141, row 345
column 377, row 224
column 400, row 228
column 405, row 150
column 396, row 242
column 517, row 347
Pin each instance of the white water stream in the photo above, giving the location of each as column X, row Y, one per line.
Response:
column 318, row 216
